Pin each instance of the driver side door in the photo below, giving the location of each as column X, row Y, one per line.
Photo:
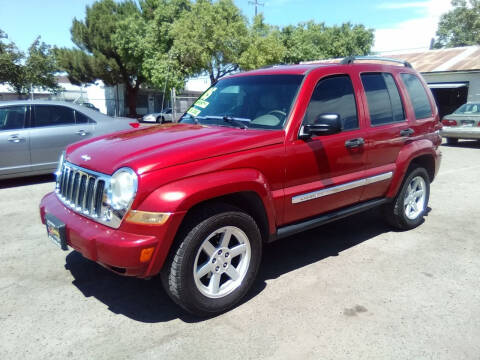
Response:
column 324, row 171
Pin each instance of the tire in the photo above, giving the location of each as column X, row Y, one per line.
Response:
column 452, row 141
column 215, row 289
column 160, row 120
column 403, row 215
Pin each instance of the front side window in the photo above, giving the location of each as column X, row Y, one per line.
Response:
column 418, row 96
column 256, row 101
column 384, row 103
column 81, row 118
column 12, row 117
column 334, row 95
column 53, row 115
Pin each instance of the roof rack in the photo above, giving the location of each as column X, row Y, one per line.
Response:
column 351, row 59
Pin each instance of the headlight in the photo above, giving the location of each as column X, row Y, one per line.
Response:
column 123, row 187
column 60, row 164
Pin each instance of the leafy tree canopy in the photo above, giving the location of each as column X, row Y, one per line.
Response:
column 460, row 26
column 36, row 69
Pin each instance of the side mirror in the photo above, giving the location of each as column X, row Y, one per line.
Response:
column 325, row 124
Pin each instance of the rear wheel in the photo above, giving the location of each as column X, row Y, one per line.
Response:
column 408, row 208
column 215, row 262
column 160, row 120
column 452, row 141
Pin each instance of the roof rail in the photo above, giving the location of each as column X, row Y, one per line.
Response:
column 351, row 59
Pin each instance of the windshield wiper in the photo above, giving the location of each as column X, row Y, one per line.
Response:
column 233, row 121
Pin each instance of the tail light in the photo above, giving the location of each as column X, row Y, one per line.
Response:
column 134, row 125
column 447, row 122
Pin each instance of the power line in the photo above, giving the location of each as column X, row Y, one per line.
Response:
column 256, row 4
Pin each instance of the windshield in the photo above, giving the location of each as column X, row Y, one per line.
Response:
column 257, row 101
column 468, row 109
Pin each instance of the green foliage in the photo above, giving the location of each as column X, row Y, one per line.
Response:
column 210, row 38
column 110, row 47
column 160, row 67
column 265, row 46
column 314, row 41
column 37, row 69
column 460, row 26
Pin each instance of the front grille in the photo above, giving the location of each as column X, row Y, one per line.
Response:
column 82, row 190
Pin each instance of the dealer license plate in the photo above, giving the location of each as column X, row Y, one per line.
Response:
column 468, row 123
column 56, row 231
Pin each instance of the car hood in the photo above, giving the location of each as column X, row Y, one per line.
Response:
column 156, row 147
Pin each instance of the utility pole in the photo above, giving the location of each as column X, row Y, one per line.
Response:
column 257, row 4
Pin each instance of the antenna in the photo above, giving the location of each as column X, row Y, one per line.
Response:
column 256, row 4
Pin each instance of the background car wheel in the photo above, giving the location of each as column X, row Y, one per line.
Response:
column 215, row 261
column 452, row 141
column 160, row 120
column 406, row 211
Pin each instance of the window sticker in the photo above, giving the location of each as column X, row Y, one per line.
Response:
column 201, row 103
column 208, row 93
column 193, row 111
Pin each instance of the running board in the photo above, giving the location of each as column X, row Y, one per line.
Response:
column 288, row 230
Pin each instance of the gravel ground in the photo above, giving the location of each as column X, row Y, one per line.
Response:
column 352, row 289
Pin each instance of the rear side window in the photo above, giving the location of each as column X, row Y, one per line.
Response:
column 418, row 96
column 52, row 115
column 12, row 117
column 384, row 103
column 334, row 95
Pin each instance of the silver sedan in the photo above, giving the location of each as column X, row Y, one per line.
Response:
column 160, row 117
column 463, row 123
column 34, row 133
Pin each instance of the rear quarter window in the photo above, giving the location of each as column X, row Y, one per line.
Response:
column 418, row 96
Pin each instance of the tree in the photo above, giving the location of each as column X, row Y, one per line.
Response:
column 161, row 69
column 210, row 38
column 460, row 26
column 314, row 41
column 111, row 47
column 23, row 73
column 265, row 46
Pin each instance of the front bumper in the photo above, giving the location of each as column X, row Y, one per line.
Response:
column 115, row 249
column 461, row 132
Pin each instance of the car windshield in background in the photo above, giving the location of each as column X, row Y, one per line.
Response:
column 468, row 109
column 256, row 101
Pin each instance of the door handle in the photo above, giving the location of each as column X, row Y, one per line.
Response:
column 353, row 143
column 15, row 139
column 407, row 132
column 82, row 132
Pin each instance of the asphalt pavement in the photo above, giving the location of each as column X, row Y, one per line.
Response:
column 353, row 289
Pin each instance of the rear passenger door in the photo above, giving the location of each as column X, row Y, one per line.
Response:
column 389, row 129
column 14, row 140
column 54, row 127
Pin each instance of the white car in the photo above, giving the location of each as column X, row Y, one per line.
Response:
column 160, row 117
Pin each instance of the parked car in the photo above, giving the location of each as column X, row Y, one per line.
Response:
column 90, row 106
column 160, row 117
column 260, row 156
column 463, row 123
column 34, row 133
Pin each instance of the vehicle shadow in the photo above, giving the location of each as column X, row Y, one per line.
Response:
column 25, row 181
column 146, row 301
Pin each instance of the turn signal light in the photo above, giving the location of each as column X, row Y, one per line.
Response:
column 147, row 218
column 146, row 254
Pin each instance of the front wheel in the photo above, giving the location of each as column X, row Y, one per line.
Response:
column 408, row 208
column 215, row 263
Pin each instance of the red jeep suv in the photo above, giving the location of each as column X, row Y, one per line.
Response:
column 260, row 156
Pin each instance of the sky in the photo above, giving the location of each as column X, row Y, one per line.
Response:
column 399, row 25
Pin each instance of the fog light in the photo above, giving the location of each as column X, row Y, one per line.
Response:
column 146, row 254
column 146, row 217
